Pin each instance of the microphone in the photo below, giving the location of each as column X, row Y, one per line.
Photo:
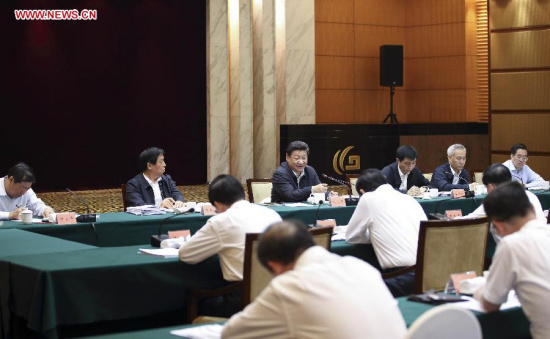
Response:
column 317, row 213
column 88, row 217
column 158, row 238
column 520, row 179
column 467, row 193
column 459, row 178
column 349, row 200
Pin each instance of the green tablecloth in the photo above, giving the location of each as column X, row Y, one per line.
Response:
column 507, row 324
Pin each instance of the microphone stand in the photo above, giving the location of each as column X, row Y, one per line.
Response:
column 158, row 238
column 88, row 217
column 349, row 200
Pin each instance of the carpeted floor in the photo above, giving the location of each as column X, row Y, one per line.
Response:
column 110, row 200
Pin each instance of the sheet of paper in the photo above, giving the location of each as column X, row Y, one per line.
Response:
column 211, row 331
column 299, row 204
column 474, row 305
column 161, row 252
column 34, row 220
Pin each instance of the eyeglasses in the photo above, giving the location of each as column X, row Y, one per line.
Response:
column 519, row 157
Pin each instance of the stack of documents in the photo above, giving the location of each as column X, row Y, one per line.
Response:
column 160, row 252
column 145, row 210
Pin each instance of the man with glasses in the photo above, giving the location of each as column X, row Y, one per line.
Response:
column 294, row 180
column 520, row 171
column 403, row 173
column 452, row 175
column 16, row 194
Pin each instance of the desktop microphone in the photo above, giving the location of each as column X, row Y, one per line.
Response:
column 88, row 217
column 349, row 200
column 158, row 238
column 467, row 192
column 317, row 213
column 520, row 179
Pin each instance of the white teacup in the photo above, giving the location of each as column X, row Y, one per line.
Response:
column 318, row 197
column 480, row 189
column 434, row 192
column 26, row 217
column 545, row 185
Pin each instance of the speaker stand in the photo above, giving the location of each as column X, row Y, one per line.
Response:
column 391, row 115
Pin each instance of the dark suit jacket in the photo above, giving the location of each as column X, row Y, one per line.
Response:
column 415, row 177
column 442, row 179
column 139, row 192
column 285, row 184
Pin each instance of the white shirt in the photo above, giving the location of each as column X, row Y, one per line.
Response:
column 324, row 296
column 525, row 175
column 28, row 200
column 224, row 234
column 480, row 213
column 299, row 176
column 156, row 189
column 404, row 177
column 456, row 176
column 390, row 220
column 522, row 262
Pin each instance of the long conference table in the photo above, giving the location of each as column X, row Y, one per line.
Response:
column 59, row 281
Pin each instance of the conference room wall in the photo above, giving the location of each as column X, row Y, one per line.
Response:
column 81, row 99
column 440, row 69
column 520, row 80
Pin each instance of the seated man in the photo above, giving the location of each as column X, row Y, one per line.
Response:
column 225, row 234
column 152, row 186
column 294, row 180
column 403, row 173
column 522, row 258
column 315, row 294
column 452, row 175
column 16, row 194
column 390, row 221
column 519, row 169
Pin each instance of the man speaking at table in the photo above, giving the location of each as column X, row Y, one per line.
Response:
column 390, row 221
column 315, row 294
column 403, row 173
column 522, row 258
column 16, row 194
column 152, row 186
column 294, row 180
column 452, row 175
column 225, row 234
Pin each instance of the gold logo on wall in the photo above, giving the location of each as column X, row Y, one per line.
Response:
column 354, row 161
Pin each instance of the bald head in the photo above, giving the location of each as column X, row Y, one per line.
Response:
column 283, row 242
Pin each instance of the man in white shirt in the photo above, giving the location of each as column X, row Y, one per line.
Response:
column 224, row 234
column 315, row 294
column 522, row 258
column 498, row 174
column 390, row 221
column 518, row 168
column 17, row 195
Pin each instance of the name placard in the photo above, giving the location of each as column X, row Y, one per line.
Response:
column 457, row 278
column 451, row 214
column 180, row 233
column 208, row 210
column 457, row 193
column 66, row 218
column 337, row 201
column 327, row 223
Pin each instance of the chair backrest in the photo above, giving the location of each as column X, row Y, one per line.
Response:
column 124, row 204
column 445, row 322
column 255, row 276
column 446, row 247
column 428, row 176
column 258, row 189
column 352, row 180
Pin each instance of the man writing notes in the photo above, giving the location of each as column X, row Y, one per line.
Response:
column 390, row 221
column 315, row 294
column 519, row 169
column 224, row 234
column 152, row 186
column 403, row 173
column 294, row 180
column 522, row 258
column 452, row 175
column 16, row 194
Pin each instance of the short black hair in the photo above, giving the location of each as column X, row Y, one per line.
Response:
column 406, row 151
column 517, row 146
column 496, row 174
column 225, row 189
column 297, row 146
column 150, row 155
column 370, row 179
column 21, row 172
column 506, row 202
column 284, row 242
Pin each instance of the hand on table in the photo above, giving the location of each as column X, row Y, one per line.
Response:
column 14, row 215
column 47, row 211
column 167, row 203
column 179, row 204
column 321, row 188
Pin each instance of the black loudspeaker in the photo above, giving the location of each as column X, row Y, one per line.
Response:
column 391, row 65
